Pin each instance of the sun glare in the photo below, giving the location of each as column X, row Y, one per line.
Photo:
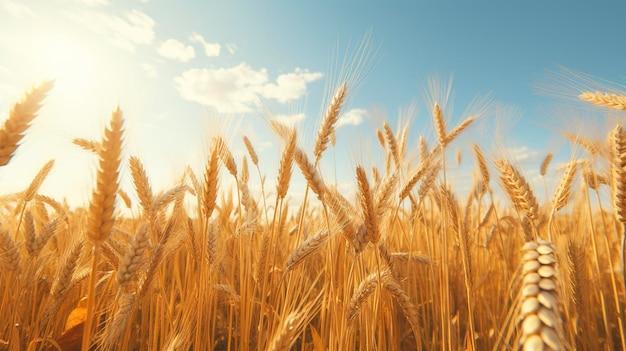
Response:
column 67, row 62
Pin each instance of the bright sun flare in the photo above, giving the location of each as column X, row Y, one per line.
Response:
column 66, row 62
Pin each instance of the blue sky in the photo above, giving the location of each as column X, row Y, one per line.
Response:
column 185, row 70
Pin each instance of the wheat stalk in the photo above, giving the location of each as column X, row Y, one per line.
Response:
column 328, row 122
column 102, row 205
column 614, row 101
column 312, row 176
column 368, row 208
column 20, row 118
column 517, row 189
column 286, row 163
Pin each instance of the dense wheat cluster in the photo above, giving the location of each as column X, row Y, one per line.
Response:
column 406, row 264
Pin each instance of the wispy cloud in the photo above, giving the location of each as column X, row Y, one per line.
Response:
column 289, row 120
column 16, row 9
column 150, row 69
column 241, row 88
column 231, row 48
column 176, row 50
column 524, row 154
column 210, row 49
column 353, row 117
column 128, row 30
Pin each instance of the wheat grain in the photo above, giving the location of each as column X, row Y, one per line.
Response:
column 539, row 310
column 329, row 121
column 253, row 155
column 305, row 249
column 562, row 194
column 102, row 205
column 518, row 189
column 368, row 208
column 286, row 163
column 544, row 165
column 614, row 101
column 20, row 118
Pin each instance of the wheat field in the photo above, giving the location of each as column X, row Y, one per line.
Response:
column 406, row 264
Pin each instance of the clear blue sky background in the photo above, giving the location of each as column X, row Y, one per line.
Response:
column 138, row 54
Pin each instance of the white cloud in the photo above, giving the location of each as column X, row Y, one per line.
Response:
column 289, row 120
column 353, row 117
column 127, row 31
column 16, row 9
column 290, row 86
column 241, row 88
column 210, row 49
column 523, row 154
column 151, row 70
column 175, row 50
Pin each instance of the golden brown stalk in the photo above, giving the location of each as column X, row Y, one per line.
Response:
column 163, row 200
column 245, row 174
column 381, row 138
column 412, row 257
column 42, row 239
column 142, row 185
column 518, row 190
column 403, row 140
column 417, row 174
column 64, row 274
column 124, row 196
column 312, row 176
column 102, row 205
column 286, row 163
column 402, row 298
column 87, row 144
column 20, row 118
column 578, row 278
column 562, row 194
column 459, row 129
column 211, row 175
column 305, row 249
column 9, row 254
column 610, row 100
column 34, row 186
column 125, row 306
column 342, row 211
column 594, row 180
column 227, row 157
column 384, row 194
column 253, row 155
column 458, row 157
column 482, row 163
column 284, row 339
column 423, row 149
column 545, row 163
column 541, row 327
column 618, row 143
column 592, row 147
column 393, row 143
column 440, row 124
column 365, row 289
column 133, row 259
column 368, row 208
column 329, row 121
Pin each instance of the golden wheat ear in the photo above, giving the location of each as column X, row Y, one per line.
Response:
column 541, row 327
column 20, row 118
